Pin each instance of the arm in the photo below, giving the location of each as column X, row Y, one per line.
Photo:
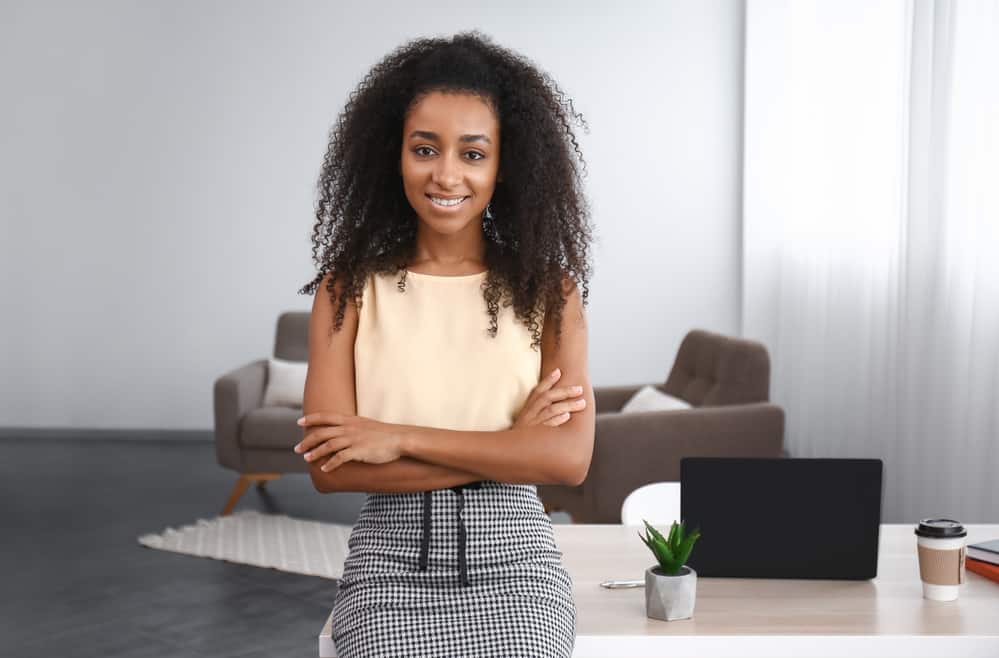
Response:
column 400, row 476
column 531, row 455
column 329, row 386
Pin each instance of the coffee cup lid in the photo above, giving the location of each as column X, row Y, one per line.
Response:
column 940, row 528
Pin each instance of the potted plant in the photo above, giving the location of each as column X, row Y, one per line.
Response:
column 670, row 586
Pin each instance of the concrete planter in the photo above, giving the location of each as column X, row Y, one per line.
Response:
column 670, row 597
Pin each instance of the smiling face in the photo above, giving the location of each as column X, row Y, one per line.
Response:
column 450, row 160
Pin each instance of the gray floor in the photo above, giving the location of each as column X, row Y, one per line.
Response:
column 75, row 581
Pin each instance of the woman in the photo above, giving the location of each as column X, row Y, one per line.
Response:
column 454, row 239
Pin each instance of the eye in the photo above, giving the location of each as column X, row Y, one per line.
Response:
column 476, row 153
column 420, row 148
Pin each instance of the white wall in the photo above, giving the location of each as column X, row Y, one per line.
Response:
column 158, row 164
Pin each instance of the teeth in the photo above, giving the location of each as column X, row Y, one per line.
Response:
column 447, row 202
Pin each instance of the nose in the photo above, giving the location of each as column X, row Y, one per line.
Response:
column 447, row 173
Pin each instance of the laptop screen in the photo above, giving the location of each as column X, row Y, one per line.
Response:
column 783, row 518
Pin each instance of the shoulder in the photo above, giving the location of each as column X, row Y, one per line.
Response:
column 573, row 308
column 338, row 284
column 328, row 290
column 573, row 318
column 326, row 306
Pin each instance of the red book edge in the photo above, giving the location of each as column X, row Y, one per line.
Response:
column 986, row 569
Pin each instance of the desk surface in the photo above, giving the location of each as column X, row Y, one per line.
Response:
column 737, row 617
column 886, row 616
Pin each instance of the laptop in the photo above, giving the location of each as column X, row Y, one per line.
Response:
column 783, row 517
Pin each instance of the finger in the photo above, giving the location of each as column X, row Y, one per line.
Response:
column 554, row 411
column 313, row 439
column 563, row 392
column 539, row 396
column 329, row 447
column 539, row 388
column 316, row 437
column 547, row 382
column 337, row 460
column 321, row 418
column 558, row 408
column 537, row 409
column 557, row 420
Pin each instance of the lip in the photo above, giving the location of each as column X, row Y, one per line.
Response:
column 447, row 209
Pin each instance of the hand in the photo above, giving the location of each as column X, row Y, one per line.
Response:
column 349, row 438
column 550, row 406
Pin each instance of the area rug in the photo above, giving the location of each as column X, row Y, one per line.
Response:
column 312, row 548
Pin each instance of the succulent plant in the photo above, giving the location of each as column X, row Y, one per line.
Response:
column 671, row 552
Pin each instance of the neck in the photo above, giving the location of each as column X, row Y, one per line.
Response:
column 467, row 247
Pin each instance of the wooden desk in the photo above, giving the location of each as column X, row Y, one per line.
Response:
column 886, row 616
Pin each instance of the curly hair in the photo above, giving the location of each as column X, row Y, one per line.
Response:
column 537, row 232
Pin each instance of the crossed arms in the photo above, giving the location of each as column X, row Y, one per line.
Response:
column 435, row 458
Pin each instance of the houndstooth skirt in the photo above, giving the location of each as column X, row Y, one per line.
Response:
column 467, row 571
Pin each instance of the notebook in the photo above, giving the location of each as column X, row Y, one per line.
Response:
column 783, row 517
column 987, row 551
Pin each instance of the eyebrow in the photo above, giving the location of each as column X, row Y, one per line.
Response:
column 426, row 134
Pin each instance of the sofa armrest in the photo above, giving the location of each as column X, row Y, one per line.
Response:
column 612, row 398
column 235, row 394
column 631, row 450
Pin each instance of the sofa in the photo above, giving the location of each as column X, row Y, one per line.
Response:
column 253, row 440
column 726, row 381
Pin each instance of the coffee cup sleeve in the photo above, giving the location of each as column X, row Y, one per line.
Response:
column 944, row 567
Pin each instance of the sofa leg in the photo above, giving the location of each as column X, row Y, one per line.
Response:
column 243, row 483
column 264, row 478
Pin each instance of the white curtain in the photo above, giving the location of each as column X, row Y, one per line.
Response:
column 871, row 238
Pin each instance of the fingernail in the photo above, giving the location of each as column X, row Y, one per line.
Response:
column 577, row 389
column 555, row 372
column 301, row 421
column 298, row 448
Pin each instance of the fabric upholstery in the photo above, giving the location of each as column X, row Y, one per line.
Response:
column 291, row 342
column 236, row 394
column 712, row 369
column 271, row 427
column 248, row 436
column 285, row 383
column 726, row 379
column 650, row 398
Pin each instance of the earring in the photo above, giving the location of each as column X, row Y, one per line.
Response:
column 489, row 210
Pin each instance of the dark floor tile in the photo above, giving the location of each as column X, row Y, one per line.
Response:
column 76, row 580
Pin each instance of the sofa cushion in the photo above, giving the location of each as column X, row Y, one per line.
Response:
column 291, row 342
column 713, row 369
column 285, row 383
column 271, row 427
column 649, row 398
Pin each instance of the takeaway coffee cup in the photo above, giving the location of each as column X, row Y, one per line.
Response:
column 940, row 544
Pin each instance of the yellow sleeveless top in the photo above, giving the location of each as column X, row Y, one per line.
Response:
column 424, row 356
